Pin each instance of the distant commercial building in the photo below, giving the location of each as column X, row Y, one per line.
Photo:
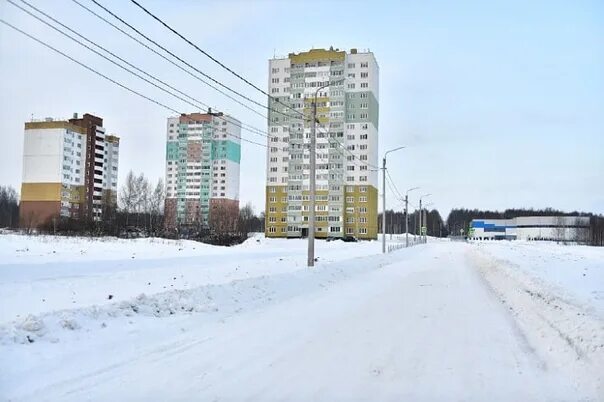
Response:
column 556, row 228
column 346, row 144
column 203, row 154
column 70, row 170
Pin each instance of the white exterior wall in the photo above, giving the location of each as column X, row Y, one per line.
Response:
column 171, row 166
column 55, row 155
column 278, row 70
column 372, row 81
column 43, row 155
column 537, row 228
column 279, row 85
column 227, row 128
column 110, row 168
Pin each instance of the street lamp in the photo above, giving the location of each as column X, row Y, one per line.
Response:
column 312, row 184
column 407, row 215
column 384, row 198
column 420, row 213
column 426, row 220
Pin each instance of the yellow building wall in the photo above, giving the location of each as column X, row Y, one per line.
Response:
column 275, row 200
column 41, row 192
column 371, row 215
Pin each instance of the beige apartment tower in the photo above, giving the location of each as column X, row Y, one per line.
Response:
column 346, row 144
column 70, row 170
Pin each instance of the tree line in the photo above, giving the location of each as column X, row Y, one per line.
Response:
column 139, row 212
column 395, row 223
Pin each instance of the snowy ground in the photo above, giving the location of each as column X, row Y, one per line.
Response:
column 441, row 321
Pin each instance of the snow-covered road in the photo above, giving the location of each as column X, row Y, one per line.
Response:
column 442, row 321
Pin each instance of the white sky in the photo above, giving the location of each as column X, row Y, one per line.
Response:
column 500, row 105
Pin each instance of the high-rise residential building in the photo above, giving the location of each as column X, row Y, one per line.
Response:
column 66, row 166
column 203, row 153
column 110, row 166
column 346, row 144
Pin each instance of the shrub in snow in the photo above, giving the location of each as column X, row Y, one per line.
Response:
column 31, row 324
column 70, row 323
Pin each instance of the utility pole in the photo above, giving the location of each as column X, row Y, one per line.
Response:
column 313, row 177
column 384, row 206
column 416, row 225
column 420, row 220
column 391, row 224
column 406, row 220
column 420, row 215
column 426, row 225
column 311, row 214
column 407, row 215
column 384, row 198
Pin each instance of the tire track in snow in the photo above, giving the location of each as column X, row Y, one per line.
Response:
column 559, row 332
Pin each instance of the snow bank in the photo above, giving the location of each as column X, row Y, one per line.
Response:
column 228, row 298
column 573, row 272
column 19, row 249
column 558, row 321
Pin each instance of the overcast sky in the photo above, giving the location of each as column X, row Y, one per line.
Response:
column 500, row 104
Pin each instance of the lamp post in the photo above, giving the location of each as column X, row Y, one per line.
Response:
column 420, row 213
column 426, row 220
column 384, row 198
column 312, row 183
column 407, row 215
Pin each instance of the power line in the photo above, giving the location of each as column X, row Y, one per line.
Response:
column 108, row 78
column 167, row 59
column 240, row 125
column 179, row 58
column 398, row 193
column 205, row 53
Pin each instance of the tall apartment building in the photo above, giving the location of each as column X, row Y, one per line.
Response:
column 110, row 169
column 203, row 154
column 346, row 144
column 68, row 165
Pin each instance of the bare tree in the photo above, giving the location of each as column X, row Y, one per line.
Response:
column 9, row 207
column 156, row 204
column 246, row 219
column 127, row 196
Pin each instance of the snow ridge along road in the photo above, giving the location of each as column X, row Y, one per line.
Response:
column 426, row 323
